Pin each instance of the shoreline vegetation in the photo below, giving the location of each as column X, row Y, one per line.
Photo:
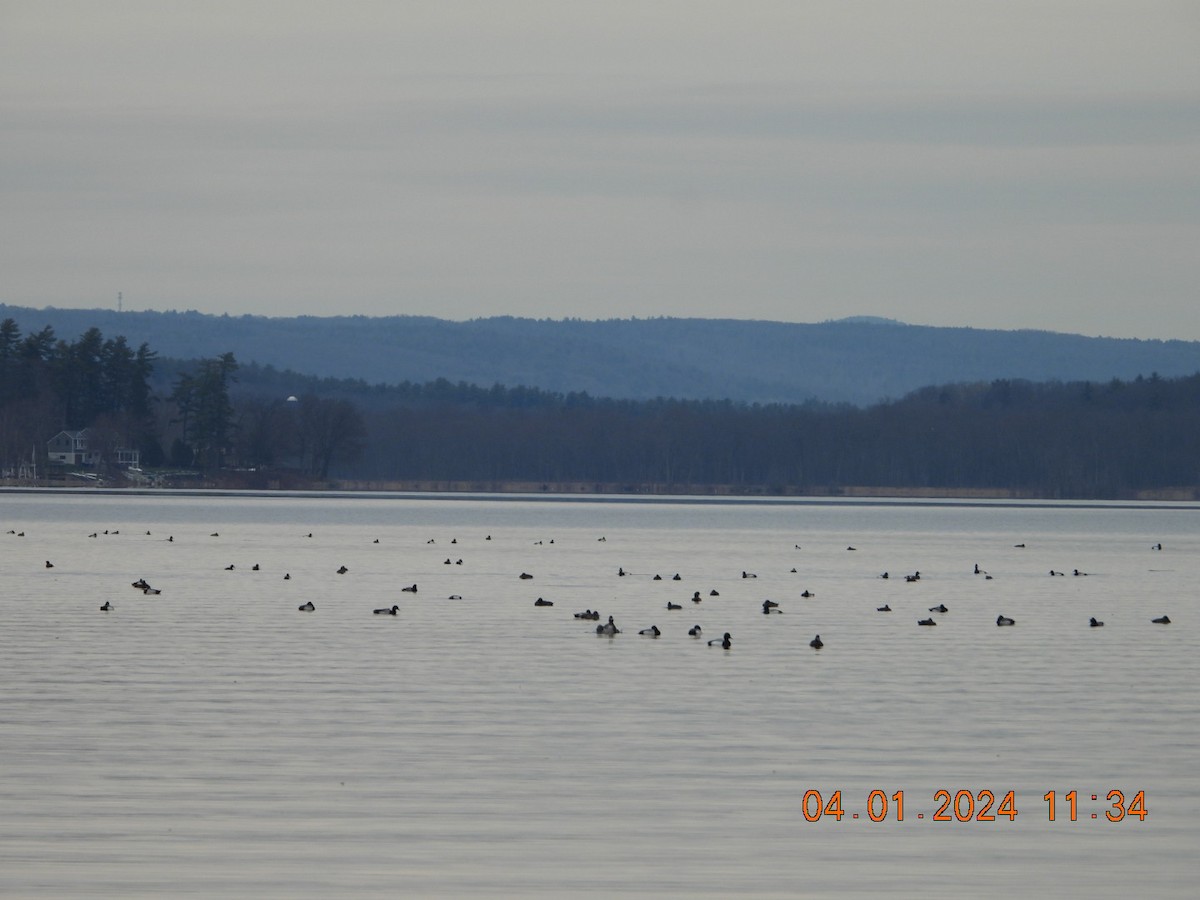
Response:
column 97, row 412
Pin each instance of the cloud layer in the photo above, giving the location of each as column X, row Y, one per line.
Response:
column 999, row 165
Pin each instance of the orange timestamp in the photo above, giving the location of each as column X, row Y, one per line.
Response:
column 973, row 806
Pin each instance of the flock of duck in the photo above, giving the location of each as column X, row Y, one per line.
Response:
column 1003, row 620
column 610, row 627
column 770, row 606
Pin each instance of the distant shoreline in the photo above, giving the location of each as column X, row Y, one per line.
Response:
column 232, row 483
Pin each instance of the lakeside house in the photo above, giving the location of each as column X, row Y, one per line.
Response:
column 78, row 448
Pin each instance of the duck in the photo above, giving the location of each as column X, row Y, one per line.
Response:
column 816, row 643
column 525, row 576
column 141, row 584
column 926, row 622
column 807, row 594
column 49, row 565
column 1077, row 573
column 676, row 577
column 695, row 631
column 106, row 607
column 229, row 568
column 587, row 614
column 721, row 642
column 454, row 597
column 1005, row 620
column 1095, row 623
column 769, row 607
column 941, row 607
column 307, row 607
column 656, row 578
column 342, row 570
column 746, row 574
column 885, row 575
column 884, row 608
column 1162, row 620
column 621, row 572
column 254, row 568
column 696, row 598
column 387, row 612
column 287, row 576
column 540, row 602
column 671, row 605
column 609, row 627
column 652, row 631
column 770, row 603
column 411, row 589
column 151, row 591
column 713, row 593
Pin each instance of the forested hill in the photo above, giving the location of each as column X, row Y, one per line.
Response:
column 848, row 361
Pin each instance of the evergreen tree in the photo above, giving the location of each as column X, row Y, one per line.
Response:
column 205, row 410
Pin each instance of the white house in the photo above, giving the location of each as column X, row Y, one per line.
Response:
column 71, row 448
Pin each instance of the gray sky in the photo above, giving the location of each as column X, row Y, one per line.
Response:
column 1002, row 164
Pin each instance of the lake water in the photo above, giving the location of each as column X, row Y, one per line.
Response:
column 215, row 741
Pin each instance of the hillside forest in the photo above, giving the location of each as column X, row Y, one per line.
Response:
column 857, row 360
column 219, row 421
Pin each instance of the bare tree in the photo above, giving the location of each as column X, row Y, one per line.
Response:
column 328, row 430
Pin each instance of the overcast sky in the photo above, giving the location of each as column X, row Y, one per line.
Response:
column 1002, row 164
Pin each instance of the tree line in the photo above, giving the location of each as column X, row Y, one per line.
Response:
column 1078, row 440
column 197, row 421
column 49, row 385
column 1049, row 439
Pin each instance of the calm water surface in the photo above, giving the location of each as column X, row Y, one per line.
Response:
column 215, row 741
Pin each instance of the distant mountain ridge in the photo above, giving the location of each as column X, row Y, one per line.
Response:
column 859, row 360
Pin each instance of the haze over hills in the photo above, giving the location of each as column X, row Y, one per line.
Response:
column 858, row 360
